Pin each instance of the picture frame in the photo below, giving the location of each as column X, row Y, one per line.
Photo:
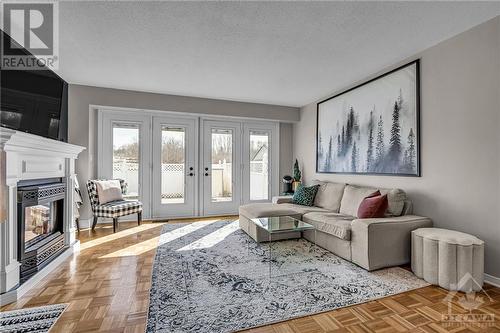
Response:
column 372, row 128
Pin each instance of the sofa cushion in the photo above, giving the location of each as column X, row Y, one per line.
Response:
column 268, row 210
column 353, row 195
column 303, row 209
column 352, row 198
column 334, row 224
column 329, row 195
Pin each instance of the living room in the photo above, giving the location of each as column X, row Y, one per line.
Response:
column 259, row 166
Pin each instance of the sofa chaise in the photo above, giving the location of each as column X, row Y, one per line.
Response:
column 370, row 243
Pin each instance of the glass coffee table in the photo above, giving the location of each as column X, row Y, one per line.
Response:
column 282, row 224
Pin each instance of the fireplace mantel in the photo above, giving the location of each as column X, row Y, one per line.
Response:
column 26, row 156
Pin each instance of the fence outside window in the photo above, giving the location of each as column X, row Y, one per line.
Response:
column 172, row 187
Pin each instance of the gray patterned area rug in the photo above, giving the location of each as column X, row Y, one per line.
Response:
column 39, row 319
column 212, row 277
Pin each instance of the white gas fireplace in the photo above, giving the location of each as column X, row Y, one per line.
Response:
column 37, row 177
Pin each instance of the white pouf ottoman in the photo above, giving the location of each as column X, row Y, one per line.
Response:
column 451, row 259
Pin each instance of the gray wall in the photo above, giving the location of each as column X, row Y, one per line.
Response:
column 286, row 150
column 460, row 138
column 83, row 122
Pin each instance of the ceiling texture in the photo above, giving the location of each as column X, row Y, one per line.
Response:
column 286, row 53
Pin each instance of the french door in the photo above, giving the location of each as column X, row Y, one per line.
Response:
column 221, row 167
column 123, row 141
column 260, row 165
column 186, row 166
column 174, row 166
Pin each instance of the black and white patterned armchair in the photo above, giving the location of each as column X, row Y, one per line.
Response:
column 113, row 209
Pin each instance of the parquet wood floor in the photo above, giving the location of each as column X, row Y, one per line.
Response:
column 107, row 288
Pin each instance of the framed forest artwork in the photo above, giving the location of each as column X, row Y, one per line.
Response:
column 372, row 128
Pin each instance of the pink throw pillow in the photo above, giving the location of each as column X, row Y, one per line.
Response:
column 373, row 206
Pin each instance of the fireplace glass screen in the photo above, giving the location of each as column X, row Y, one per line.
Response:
column 39, row 222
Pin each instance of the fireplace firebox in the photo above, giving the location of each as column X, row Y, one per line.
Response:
column 40, row 213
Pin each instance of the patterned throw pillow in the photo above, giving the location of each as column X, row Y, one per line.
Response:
column 304, row 195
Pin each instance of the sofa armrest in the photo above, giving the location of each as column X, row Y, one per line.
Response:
column 282, row 199
column 384, row 242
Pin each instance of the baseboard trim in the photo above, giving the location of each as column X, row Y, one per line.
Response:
column 15, row 294
column 87, row 223
column 493, row 280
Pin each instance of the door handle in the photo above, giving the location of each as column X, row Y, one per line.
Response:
column 206, row 173
column 191, row 174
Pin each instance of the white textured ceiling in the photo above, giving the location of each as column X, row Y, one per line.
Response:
column 288, row 53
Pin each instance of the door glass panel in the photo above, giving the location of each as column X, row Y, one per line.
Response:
column 259, row 165
column 126, row 157
column 173, row 164
column 222, row 165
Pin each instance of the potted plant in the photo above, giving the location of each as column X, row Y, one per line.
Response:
column 297, row 175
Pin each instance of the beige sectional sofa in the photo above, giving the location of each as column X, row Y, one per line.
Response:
column 369, row 243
